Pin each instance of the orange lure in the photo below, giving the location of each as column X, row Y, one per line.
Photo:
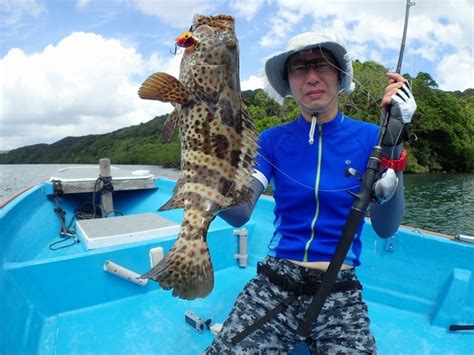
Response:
column 186, row 40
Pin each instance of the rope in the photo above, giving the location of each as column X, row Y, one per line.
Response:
column 66, row 232
column 106, row 184
column 88, row 210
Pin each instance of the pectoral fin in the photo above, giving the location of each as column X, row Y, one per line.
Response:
column 164, row 87
column 169, row 126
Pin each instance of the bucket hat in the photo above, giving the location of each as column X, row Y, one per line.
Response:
column 277, row 84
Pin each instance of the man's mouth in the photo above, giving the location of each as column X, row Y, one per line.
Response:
column 314, row 94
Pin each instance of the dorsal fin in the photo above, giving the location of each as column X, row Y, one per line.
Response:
column 248, row 153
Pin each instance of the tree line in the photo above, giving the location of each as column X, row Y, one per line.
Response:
column 440, row 137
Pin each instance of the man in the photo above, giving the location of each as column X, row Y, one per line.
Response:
column 313, row 163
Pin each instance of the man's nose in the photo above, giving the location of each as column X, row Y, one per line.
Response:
column 312, row 74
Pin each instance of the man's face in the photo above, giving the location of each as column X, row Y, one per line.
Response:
column 313, row 79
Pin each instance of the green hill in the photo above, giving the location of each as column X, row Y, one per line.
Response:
column 440, row 136
column 140, row 144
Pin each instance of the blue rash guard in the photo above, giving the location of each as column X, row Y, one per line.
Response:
column 310, row 187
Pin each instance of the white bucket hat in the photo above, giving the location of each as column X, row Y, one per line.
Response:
column 277, row 84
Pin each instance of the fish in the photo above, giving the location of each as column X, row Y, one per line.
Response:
column 218, row 147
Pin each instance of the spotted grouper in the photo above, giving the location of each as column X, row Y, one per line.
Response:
column 218, row 147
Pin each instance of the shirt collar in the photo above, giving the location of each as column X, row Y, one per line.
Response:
column 304, row 126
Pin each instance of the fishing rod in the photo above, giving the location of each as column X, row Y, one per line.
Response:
column 356, row 214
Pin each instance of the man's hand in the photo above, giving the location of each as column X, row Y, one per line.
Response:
column 399, row 98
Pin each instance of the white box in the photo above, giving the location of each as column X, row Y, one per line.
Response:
column 112, row 231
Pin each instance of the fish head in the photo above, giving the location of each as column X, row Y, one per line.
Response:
column 213, row 30
column 210, row 62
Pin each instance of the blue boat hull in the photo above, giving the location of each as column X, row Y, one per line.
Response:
column 59, row 302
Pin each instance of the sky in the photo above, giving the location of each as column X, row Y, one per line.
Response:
column 73, row 67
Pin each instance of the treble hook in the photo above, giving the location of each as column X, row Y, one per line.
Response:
column 175, row 50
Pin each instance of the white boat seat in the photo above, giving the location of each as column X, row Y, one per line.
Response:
column 113, row 231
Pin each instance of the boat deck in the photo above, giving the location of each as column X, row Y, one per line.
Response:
column 153, row 322
column 63, row 302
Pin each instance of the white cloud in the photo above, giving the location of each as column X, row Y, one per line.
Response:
column 177, row 14
column 428, row 52
column 281, row 24
column 170, row 65
column 373, row 29
column 253, row 82
column 358, row 22
column 456, row 71
column 246, row 8
column 446, row 22
column 359, row 51
column 85, row 84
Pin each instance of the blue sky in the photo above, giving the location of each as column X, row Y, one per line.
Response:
column 73, row 67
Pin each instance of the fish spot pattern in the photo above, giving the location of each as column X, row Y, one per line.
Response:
column 218, row 146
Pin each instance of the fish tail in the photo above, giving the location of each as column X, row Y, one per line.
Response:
column 187, row 269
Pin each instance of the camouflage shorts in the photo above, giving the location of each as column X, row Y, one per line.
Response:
column 341, row 328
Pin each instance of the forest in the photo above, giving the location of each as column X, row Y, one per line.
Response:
column 439, row 138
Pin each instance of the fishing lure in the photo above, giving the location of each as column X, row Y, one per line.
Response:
column 184, row 40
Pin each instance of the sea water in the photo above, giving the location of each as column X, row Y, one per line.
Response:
column 442, row 203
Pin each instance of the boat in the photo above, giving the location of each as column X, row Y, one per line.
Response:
column 68, row 282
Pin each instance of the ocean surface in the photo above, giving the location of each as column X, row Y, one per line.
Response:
column 442, row 203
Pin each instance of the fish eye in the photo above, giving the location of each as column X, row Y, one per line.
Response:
column 203, row 32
